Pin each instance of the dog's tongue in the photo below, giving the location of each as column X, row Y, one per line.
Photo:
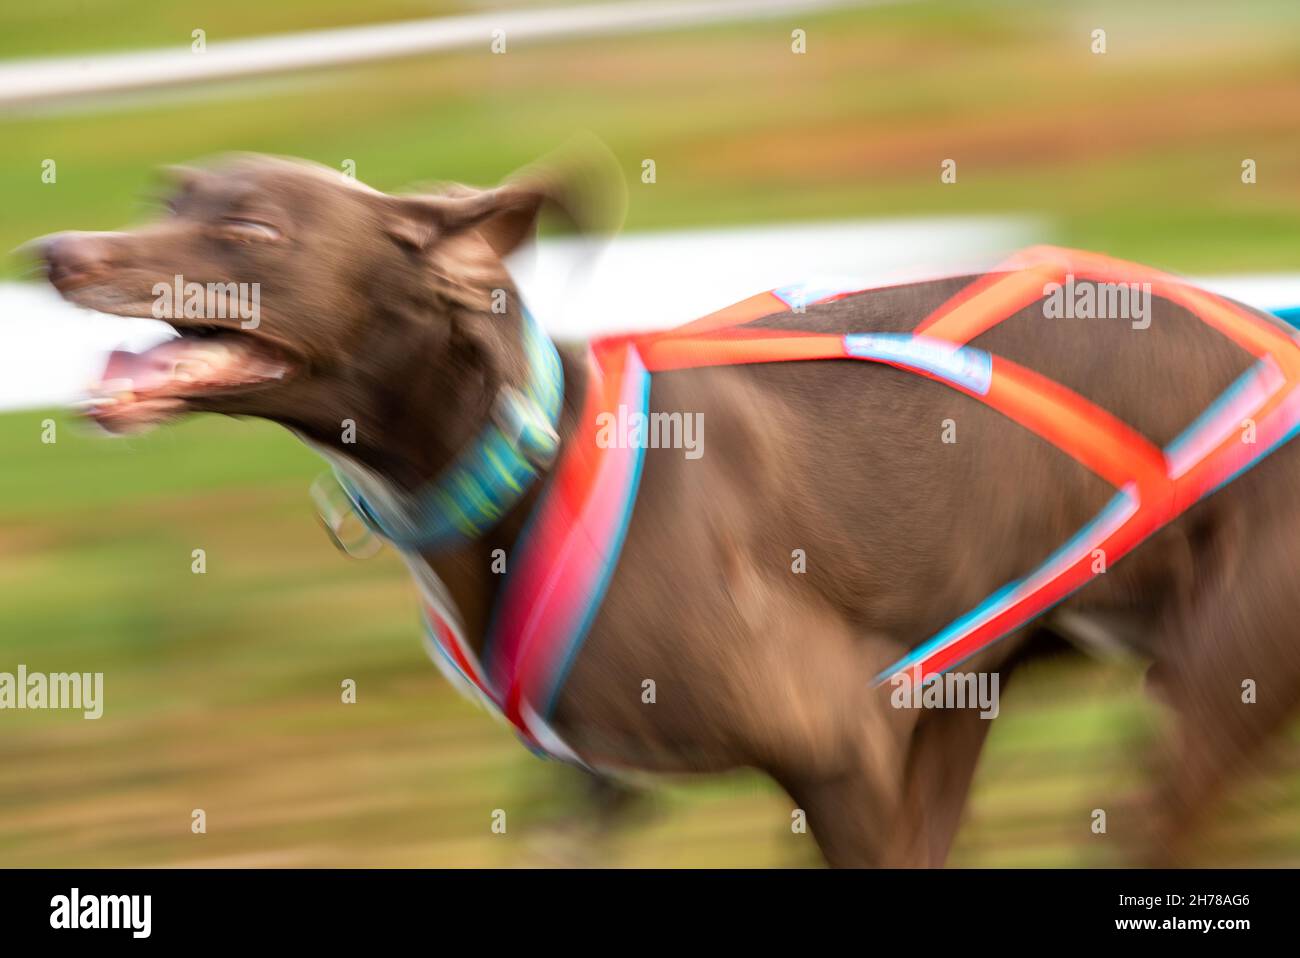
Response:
column 186, row 365
column 139, row 390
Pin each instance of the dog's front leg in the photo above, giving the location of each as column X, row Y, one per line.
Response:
column 941, row 763
column 591, row 810
column 849, row 780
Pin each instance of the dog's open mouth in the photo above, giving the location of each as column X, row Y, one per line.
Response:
column 140, row 390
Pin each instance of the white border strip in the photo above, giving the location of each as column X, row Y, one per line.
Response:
column 44, row 80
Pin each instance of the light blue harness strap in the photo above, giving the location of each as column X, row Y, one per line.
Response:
column 1289, row 313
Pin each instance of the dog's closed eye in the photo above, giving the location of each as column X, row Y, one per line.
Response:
column 249, row 230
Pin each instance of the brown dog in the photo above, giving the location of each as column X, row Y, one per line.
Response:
column 374, row 308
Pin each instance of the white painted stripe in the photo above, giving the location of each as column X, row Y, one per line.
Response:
column 49, row 79
column 49, row 350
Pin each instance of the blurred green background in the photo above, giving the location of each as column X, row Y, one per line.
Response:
column 223, row 689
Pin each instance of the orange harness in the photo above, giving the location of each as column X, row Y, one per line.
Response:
column 1256, row 415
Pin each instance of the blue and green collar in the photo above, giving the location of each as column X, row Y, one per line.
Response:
column 492, row 473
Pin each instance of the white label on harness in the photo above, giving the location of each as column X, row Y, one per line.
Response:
column 971, row 369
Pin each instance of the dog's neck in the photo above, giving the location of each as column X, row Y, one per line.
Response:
column 428, row 416
column 428, row 389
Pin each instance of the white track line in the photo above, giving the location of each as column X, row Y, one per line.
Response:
column 44, row 80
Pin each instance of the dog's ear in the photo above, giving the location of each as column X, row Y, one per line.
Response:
column 178, row 180
column 582, row 183
column 504, row 216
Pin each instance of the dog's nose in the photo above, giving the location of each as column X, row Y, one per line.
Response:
column 74, row 259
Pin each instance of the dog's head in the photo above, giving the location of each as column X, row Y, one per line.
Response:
column 299, row 294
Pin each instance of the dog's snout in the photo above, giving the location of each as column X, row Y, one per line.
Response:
column 73, row 259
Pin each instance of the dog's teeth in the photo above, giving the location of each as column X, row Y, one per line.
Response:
column 113, row 389
column 187, row 370
column 95, row 402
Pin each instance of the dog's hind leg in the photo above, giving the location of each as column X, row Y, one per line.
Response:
column 1229, row 667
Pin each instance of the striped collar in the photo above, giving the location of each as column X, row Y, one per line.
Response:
column 491, row 474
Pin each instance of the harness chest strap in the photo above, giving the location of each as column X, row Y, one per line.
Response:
column 562, row 566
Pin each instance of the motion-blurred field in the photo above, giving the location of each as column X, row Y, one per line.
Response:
column 223, row 693
column 223, row 689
